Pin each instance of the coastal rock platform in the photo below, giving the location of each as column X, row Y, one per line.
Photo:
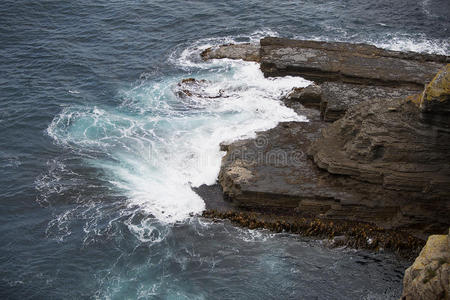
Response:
column 383, row 162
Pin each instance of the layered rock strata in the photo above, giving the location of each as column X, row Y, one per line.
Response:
column 348, row 63
column 380, row 163
column 384, row 162
column 347, row 74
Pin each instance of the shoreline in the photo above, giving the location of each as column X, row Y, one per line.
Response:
column 366, row 172
column 338, row 233
column 370, row 168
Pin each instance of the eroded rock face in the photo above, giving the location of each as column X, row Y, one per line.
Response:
column 380, row 163
column 345, row 74
column 429, row 276
column 385, row 159
column 273, row 172
column 247, row 52
column 386, row 142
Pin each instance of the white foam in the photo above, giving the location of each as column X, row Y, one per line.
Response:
column 187, row 57
column 419, row 43
column 154, row 152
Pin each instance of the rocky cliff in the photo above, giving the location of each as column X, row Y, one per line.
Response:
column 385, row 159
column 347, row 74
column 377, row 177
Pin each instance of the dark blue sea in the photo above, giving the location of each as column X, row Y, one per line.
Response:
column 98, row 156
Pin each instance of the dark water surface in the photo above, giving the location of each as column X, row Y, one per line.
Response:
column 98, row 155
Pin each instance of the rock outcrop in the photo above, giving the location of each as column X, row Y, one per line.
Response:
column 429, row 277
column 247, row 52
column 310, row 96
column 347, row 74
column 348, row 63
column 380, row 163
column 387, row 142
column 385, row 159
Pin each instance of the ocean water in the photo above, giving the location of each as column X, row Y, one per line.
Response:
column 98, row 154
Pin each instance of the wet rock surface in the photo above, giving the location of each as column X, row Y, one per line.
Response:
column 191, row 87
column 337, row 233
column 273, row 172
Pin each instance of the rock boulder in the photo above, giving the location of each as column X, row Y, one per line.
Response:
column 429, row 277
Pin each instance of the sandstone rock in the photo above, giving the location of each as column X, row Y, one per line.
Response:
column 429, row 276
column 435, row 100
column 347, row 74
column 247, row 52
column 349, row 63
column 385, row 161
column 272, row 172
column 385, row 142
column 438, row 90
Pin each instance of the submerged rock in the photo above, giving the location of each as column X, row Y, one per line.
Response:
column 191, row 87
column 429, row 276
column 337, row 233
